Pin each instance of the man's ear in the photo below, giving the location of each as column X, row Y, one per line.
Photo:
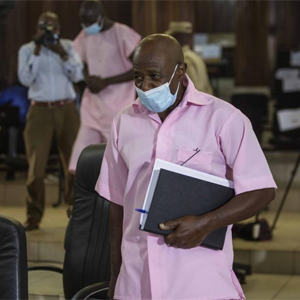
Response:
column 181, row 69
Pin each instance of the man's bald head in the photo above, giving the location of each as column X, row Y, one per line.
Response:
column 155, row 60
column 160, row 46
column 90, row 11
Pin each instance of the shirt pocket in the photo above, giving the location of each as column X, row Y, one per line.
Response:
column 200, row 161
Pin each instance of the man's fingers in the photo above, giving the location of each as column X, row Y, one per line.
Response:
column 169, row 225
column 173, row 241
column 92, row 85
column 172, row 237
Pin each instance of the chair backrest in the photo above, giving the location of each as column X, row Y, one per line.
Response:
column 13, row 260
column 87, row 259
column 255, row 107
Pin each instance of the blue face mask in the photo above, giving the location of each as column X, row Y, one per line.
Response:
column 94, row 28
column 160, row 98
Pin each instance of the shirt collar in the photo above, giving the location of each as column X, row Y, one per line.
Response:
column 138, row 106
column 191, row 96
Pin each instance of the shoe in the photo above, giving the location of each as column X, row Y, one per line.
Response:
column 30, row 225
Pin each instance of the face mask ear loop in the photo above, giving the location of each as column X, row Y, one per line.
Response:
column 177, row 88
column 173, row 74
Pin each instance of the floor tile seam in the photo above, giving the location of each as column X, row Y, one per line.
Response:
column 45, row 283
column 38, row 279
column 39, row 297
column 282, row 288
column 45, row 242
column 47, row 261
column 293, row 249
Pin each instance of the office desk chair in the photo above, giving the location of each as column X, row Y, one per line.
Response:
column 87, row 259
column 13, row 260
column 87, row 244
column 255, row 107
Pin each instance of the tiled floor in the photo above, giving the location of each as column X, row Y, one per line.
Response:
column 269, row 287
column 46, row 244
column 258, row 287
column 45, row 285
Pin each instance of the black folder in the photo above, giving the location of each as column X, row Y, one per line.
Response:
column 177, row 195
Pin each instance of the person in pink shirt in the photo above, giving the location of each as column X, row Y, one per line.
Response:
column 106, row 48
column 169, row 120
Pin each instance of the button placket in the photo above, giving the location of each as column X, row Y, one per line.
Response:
column 164, row 136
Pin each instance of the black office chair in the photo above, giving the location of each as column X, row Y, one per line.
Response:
column 87, row 259
column 13, row 260
column 255, row 107
column 87, row 244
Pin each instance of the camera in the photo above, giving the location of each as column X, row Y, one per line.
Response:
column 49, row 38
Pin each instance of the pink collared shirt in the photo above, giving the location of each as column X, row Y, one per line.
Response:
column 106, row 54
column 229, row 149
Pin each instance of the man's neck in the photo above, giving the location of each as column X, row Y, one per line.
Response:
column 163, row 115
column 108, row 23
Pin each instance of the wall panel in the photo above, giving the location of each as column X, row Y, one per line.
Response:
column 287, row 24
column 251, row 55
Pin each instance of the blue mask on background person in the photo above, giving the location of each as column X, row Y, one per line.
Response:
column 160, row 98
column 94, row 28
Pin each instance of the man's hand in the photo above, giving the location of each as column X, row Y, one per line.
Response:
column 96, row 84
column 37, row 50
column 189, row 231
column 59, row 49
column 37, row 38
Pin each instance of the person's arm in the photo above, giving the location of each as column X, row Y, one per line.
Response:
column 124, row 77
column 253, row 183
column 28, row 63
column 190, row 231
column 97, row 84
column 94, row 83
column 72, row 64
column 116, row 233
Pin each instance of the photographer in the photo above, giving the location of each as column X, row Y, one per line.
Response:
column 48, row 66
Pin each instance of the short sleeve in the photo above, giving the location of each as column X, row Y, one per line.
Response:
column 129, row 39
column 111, row 183
column 244, row 155
column 78, row 46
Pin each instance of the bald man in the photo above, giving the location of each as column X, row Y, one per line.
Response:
column 48, row 65
column 168, row 121
column 106, row 48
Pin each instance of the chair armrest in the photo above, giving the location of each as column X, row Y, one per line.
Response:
column 91, row 290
